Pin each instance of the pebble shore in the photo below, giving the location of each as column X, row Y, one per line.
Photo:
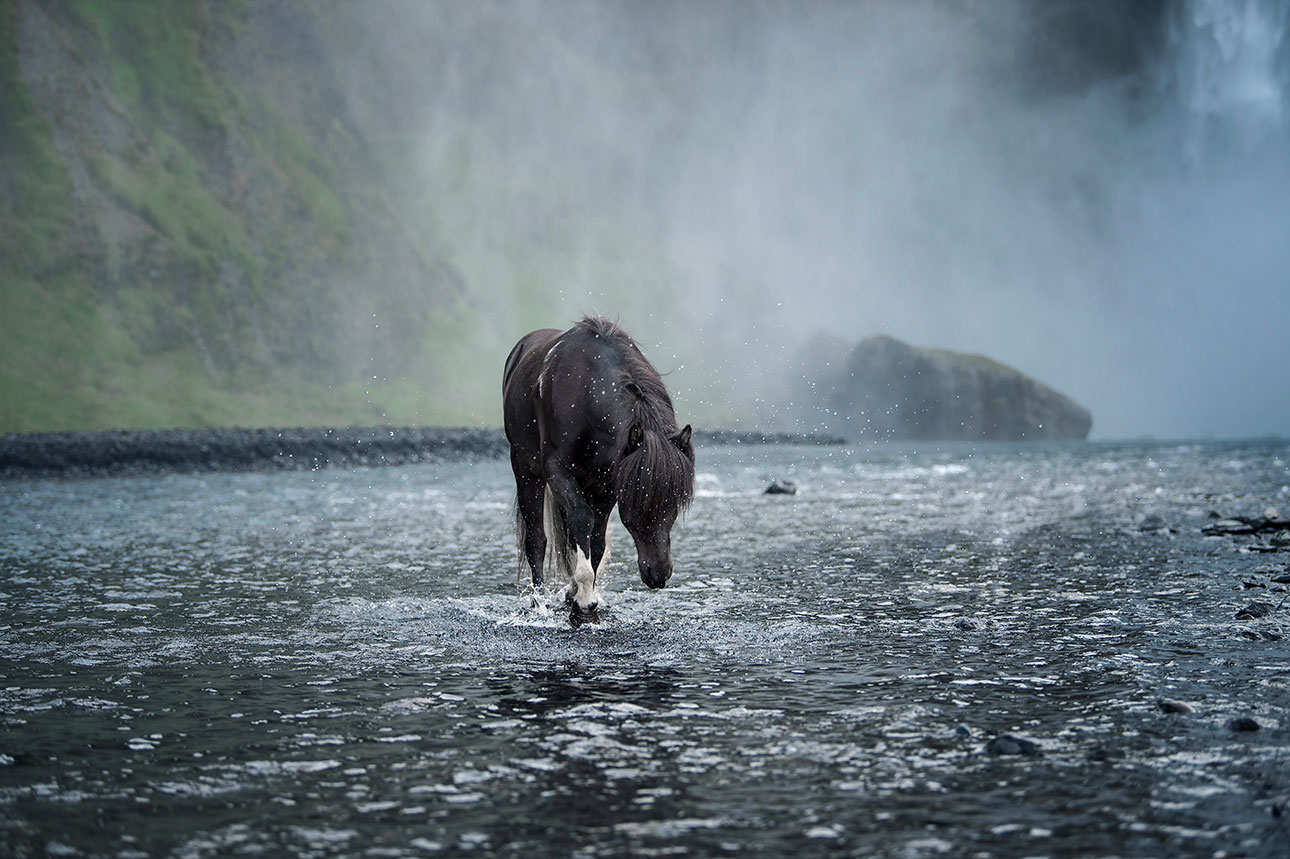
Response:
column 85, row 454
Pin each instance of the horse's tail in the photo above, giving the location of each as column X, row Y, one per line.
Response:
column 561, row 554
column 522, row 575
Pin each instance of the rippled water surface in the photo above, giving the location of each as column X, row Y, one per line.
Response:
column 336, row 663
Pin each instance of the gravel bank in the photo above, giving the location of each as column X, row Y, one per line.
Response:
column 82, row 454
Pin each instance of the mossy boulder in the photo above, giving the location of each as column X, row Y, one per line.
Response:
column 889, row 389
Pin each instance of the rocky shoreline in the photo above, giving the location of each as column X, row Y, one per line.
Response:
column 88, row 454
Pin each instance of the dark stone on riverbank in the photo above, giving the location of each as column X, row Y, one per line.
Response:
column 1011, row 744
column 87, row 454
column 1254, row 611
column 1269, row 523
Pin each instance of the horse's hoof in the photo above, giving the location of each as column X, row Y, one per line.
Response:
column 579, row 616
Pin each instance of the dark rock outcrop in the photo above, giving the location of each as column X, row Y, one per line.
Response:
column 889, row 389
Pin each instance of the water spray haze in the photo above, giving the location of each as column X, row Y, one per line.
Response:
column 922, row 170
column 1091, row 192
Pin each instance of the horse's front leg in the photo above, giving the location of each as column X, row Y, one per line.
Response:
column 580, row 525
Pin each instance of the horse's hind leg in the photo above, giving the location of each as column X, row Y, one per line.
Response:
column 600, row 541
column 530, row 492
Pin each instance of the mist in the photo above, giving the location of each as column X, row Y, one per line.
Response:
column 1093, row 192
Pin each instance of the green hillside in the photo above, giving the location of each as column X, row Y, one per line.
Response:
column 241, row 213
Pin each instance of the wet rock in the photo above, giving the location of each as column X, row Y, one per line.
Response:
column 1228, row 528
column 1179, row 707
column 1242, row 725
column 1259, row 635
column 1255, row 610
column 1270, row 522
column 1151, row 522
column 782, row 487
column 1011, row 744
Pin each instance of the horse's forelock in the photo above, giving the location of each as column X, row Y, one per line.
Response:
column 655, row 480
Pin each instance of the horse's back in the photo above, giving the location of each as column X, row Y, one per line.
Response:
column 523, row 348
column 563, row 395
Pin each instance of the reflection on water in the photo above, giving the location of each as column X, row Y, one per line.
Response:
column 336, row 663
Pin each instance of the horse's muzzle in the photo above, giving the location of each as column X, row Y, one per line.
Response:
column 655, row 577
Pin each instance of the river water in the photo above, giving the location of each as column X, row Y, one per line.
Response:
column 335, row 663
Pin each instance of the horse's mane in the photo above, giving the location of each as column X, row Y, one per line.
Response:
column 651, row 404
column 657, row 476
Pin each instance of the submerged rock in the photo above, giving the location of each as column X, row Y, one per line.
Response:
column 1011, row 744
column 1255, row 610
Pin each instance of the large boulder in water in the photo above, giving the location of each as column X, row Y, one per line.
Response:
column 889, row 389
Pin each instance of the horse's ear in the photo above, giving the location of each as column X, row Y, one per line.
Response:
column 682, row 439
column 635, row 437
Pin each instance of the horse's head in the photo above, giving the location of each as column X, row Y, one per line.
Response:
column 655, row 482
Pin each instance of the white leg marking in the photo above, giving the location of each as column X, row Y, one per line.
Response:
column 602, row 573
column 584, row 582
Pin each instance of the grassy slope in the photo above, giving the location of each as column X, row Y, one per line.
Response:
column 77, row 355
column 90, row 342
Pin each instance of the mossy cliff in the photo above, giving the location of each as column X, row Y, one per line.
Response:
column 328, row 212
column 235, row 212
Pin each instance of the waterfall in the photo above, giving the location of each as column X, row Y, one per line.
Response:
column 1230, row 65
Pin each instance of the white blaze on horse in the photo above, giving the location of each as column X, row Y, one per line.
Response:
column 591, row 426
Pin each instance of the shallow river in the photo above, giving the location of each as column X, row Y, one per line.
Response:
column 336, row 663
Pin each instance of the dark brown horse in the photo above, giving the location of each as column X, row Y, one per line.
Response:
column 591, row 425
